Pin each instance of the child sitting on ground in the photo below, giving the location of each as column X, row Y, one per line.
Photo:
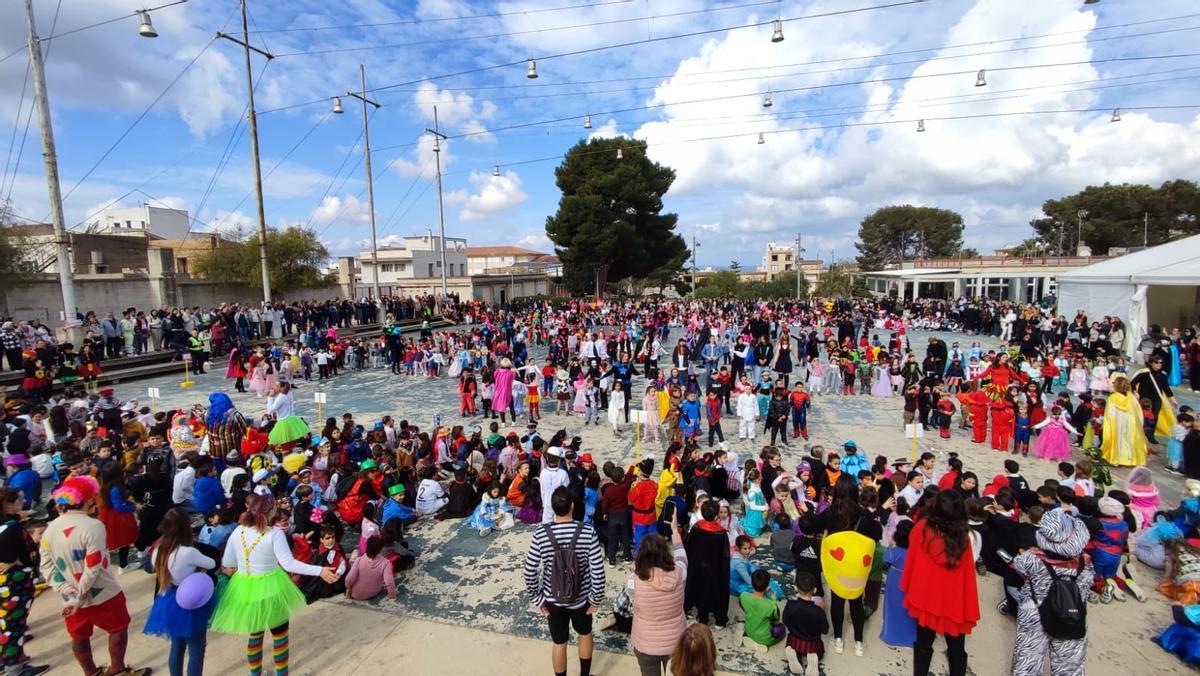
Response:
column 371, row 573
column 806, row 625
column 761, row 606
column 741, row 571
column 781, row 543
column 493, row 512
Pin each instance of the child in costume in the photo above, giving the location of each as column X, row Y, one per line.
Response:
column 174, row 560
column 492, row 513
column 1022, row 430
column 755, row 519
column 1053, row 441
column 1183, row 637
column 1107, row 545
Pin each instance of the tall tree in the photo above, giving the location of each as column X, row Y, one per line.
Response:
column 1124, row 215
column 895, row 233
column 610, row 223
column 295, row 258
column 16, row 269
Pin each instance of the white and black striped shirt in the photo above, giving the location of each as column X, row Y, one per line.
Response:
column 540, row 559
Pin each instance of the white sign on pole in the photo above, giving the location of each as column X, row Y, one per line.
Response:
column 319, row 397
column 914, row 430
column 638, row 417
column 153, row 392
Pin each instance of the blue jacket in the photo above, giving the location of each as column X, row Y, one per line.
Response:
column 395, row 510
column 853, row 464
column 207, row 494
column 740, row 570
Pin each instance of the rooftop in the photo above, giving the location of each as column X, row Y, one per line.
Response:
column 502, row 251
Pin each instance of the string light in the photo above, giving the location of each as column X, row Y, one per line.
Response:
column 532, row 73
column 1116, row 116
column 920, row 125
column 620, row 155
column 337, row 105
column 761, row 140
column 146, row 29
column 587, row 121
column 777, row 36
column 981, row 79
column 496, row 170
column 767, row 103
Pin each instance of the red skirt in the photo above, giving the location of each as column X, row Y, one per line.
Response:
column 89, row 370
column 121, row 528
column 31, row 383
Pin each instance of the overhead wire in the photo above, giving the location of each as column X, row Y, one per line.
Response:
column 488, row 15
column 29, row 116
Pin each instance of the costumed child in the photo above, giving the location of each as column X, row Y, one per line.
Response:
column 804, row 618
column 1183, row 638
column 492, row 513
column 1107, row 545
column 899, row 628
column 1179, row 432
column 755, row 519
column 1054, row 441
column 181, row 609
column 1002, row 424
column 1022, row 430
column 329, row 554
column 945, row 414
column 747, row 410
column 1143, row 496
column 1078, row 381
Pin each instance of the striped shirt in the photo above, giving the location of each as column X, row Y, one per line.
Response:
column 540, row 559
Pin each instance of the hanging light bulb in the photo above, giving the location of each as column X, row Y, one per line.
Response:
column 920, row 125
column 620, row 155
column 337, row 105
column 761, row 140
column 1090, row 2
column 767, row 103
column 777, row 36
column 532, row 73
column 1116, row 115
column 496, row 170
column 146, row 29
column 981, row 79
column 587, row 121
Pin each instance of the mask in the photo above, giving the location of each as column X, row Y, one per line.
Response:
column 846, row 559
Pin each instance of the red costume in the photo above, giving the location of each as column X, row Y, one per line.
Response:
column 977, row 403
column 938, row 596
column 1001, row 375
column 1002, row 424
column 466, row 393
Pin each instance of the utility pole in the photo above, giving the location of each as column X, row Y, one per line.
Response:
column 362, row 74
column 694, row 246
column 438, row 137
column 253, row 126
column 1079, row 216
column 1145, row 229
column 799, row 250
column 66, row 271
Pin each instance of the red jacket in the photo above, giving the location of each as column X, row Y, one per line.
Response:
column 641, row 498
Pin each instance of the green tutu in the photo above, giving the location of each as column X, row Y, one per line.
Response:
column 256, row 603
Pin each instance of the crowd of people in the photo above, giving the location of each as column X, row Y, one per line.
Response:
column 246, row 516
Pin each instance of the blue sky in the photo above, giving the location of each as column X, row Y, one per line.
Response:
column 840, row 137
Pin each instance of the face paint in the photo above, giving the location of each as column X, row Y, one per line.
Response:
column 846, row 559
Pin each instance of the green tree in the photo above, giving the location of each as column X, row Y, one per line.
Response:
column 295, row 258
column 610, row 221
column 895, row 233
column 16, row 270
column 1122, row 215
column 735, row 266
column 836, row 281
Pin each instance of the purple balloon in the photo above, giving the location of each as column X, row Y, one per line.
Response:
column 195, row 591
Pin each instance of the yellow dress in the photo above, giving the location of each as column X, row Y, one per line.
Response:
column 1123, row 442
column 664, row 404
column 666, row 486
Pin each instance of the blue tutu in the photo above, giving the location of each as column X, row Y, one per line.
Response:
column 167, row 619
column 1183, row 641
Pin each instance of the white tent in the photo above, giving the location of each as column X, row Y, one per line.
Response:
column 1153, row 286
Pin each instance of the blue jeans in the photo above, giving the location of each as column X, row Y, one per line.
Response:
column 194, row 647
column 640, row 532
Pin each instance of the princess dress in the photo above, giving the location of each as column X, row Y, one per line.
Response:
column 491, row 513
column 1054, row 440
column 882, row 386
column 756, row 509
column 258, row 379
column 1078, row 382
column 1100, row 379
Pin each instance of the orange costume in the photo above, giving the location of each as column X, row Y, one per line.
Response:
column 977, row 403
column 1002, row 424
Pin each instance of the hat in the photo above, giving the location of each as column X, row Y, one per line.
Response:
column 260, row 475
column 562, row 374
column 532, row 425
column 900, row 462
column 106, row 392
column 396, row 489
column 1110, row 507
column 1061, row 533
column 803, row 467
column 378, row 424
column 554, row 452
column 304, row 471
column 16, row 460
column 92, row 424
column 233, row 456
column 850, row 444
column 368, row 464
column 75, row 491
column 586, row 457
column 262, row 490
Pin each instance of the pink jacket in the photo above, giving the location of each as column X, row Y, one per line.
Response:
column 368, row 577
column 658, row 618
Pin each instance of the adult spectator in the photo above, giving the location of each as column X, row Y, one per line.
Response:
column 939, row 582
column 1151, row 383
column 566, row 597
column 552, row 476
column 657, row 587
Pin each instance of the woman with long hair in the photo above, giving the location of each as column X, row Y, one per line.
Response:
column 260, row 595
column 696, row 653
column 174, row 560
column 846, row 513
column 939, row 581
column 657, row 586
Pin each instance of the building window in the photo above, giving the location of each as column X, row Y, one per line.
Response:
column 431, row 269
column 774, row 258
column 143, row 224
column 129, row 224
column 402, row 266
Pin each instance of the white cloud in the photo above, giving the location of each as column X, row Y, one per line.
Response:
column 419, row 161
column 344, row 209
column 607, row 130
column 458, row 113
column 493, row 195
column 537, row 241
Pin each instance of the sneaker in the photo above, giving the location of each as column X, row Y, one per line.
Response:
column 30, row 669
column 1116, row 592
column 1106, row 595
column 858, row 648
column 838, row 645
column 1004, row 608
column 483, row 532
column 1134, row 591
column 1093, row 597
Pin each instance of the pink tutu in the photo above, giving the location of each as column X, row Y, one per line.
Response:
column 1053, row 443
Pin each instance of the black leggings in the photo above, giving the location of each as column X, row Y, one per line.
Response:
column 956, row 652
column 837, row 613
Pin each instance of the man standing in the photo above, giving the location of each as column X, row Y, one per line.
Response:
column 1151, row 383
column 75, row 562
column 564, row 577
column 196, row 350
column 112, row 335
column 552, row 476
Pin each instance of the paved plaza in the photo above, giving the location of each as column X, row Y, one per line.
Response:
column 462, row 609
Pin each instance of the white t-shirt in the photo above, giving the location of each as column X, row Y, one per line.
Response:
column 550, row 479
column 270, row 551
column 183, row 562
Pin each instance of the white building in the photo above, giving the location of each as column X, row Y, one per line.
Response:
column 1022, row 279
column 142, row 221
column 419, row 258
column 778, row 258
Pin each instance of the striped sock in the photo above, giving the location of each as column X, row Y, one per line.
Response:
column 254, row 650
column 280, row 636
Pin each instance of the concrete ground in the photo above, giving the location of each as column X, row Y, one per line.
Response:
column 462, row 608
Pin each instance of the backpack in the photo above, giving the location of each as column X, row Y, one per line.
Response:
column 344, row 484
column 564, row 568
column 1063, row 611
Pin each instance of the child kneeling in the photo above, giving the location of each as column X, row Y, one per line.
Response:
column 761, row 606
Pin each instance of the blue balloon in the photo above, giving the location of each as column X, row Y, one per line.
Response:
column 195, row 591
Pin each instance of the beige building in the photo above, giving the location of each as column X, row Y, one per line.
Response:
column 418, row 258
column 780, row 258
column 481, row 259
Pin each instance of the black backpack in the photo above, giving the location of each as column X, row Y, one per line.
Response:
column 564, row 568
column 1063, row 611
column 344, row 485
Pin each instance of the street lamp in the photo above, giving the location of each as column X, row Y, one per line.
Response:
column 1079, row 216
column 695, row 245
column 337, row 108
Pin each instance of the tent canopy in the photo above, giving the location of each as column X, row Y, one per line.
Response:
column 1174, row 264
